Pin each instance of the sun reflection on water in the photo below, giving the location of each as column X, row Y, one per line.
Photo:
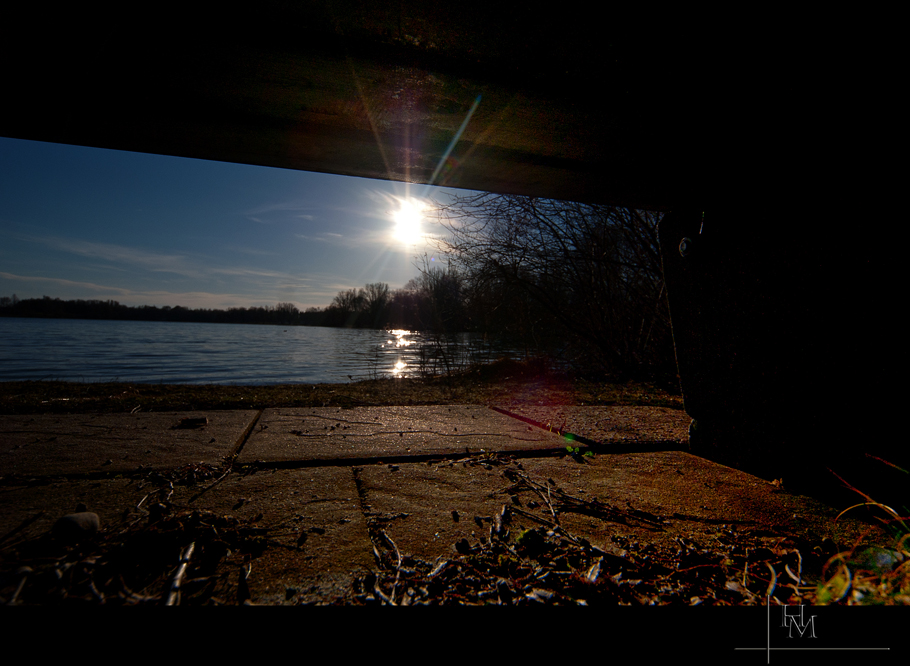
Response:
column 400, row 339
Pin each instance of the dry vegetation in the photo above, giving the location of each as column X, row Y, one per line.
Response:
column 164, row 554
column 501, row 383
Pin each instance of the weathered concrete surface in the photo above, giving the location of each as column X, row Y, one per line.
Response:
column 323, row 521
column 314, row 515
column 47, row 502
column 388, row 432
column 612, row 425
column 692, row 497
column 39, row 445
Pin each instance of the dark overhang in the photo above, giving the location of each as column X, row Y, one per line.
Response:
column 575, row 102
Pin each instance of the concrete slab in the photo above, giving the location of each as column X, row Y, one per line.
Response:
column 38, row 445
column 316, row 527
column 388, row 433
column 691, row 495
column 317, row 532
column 428, row 508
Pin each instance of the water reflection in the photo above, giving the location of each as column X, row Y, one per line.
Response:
column 79, row 350
column 405, row 353
column 401, row 339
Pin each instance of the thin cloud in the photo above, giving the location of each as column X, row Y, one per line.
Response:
column 152, row 261
column 251, row 272
column 251, row 251
column 268, row 213
column 326, row 237
column 65, row 283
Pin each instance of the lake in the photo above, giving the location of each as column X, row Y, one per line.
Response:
column 191, row 353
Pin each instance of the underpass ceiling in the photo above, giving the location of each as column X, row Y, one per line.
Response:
column 578, row 105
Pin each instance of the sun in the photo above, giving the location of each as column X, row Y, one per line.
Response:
column 407, row 221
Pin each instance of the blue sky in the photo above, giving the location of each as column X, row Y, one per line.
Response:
column 144, row 229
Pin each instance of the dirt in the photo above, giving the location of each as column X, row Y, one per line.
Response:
column 505, row 383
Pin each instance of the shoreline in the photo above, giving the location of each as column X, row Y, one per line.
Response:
column 511, row 383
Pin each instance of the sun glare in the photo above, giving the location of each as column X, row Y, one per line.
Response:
column 407, row 221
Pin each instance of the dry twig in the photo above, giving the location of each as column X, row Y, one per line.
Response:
column 174, row 594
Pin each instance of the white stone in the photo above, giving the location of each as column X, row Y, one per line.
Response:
column 75, row 526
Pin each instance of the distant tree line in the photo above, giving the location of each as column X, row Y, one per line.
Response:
column 431, row 302
column 55, row 308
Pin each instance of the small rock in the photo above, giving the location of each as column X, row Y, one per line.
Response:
column 77, row 526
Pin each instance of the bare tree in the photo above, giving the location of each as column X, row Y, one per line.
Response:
column 286, row 313
column 441, row 299
column 589, row 275
column 347, row 306
column 375, row 302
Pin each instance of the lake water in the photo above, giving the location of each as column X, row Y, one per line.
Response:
column 172, row 353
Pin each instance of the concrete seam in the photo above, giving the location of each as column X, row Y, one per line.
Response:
column 372, row 529
column 242, row 440
column 600, row 447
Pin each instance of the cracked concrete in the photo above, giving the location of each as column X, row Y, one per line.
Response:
column 387, row 433
column 329, row 483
